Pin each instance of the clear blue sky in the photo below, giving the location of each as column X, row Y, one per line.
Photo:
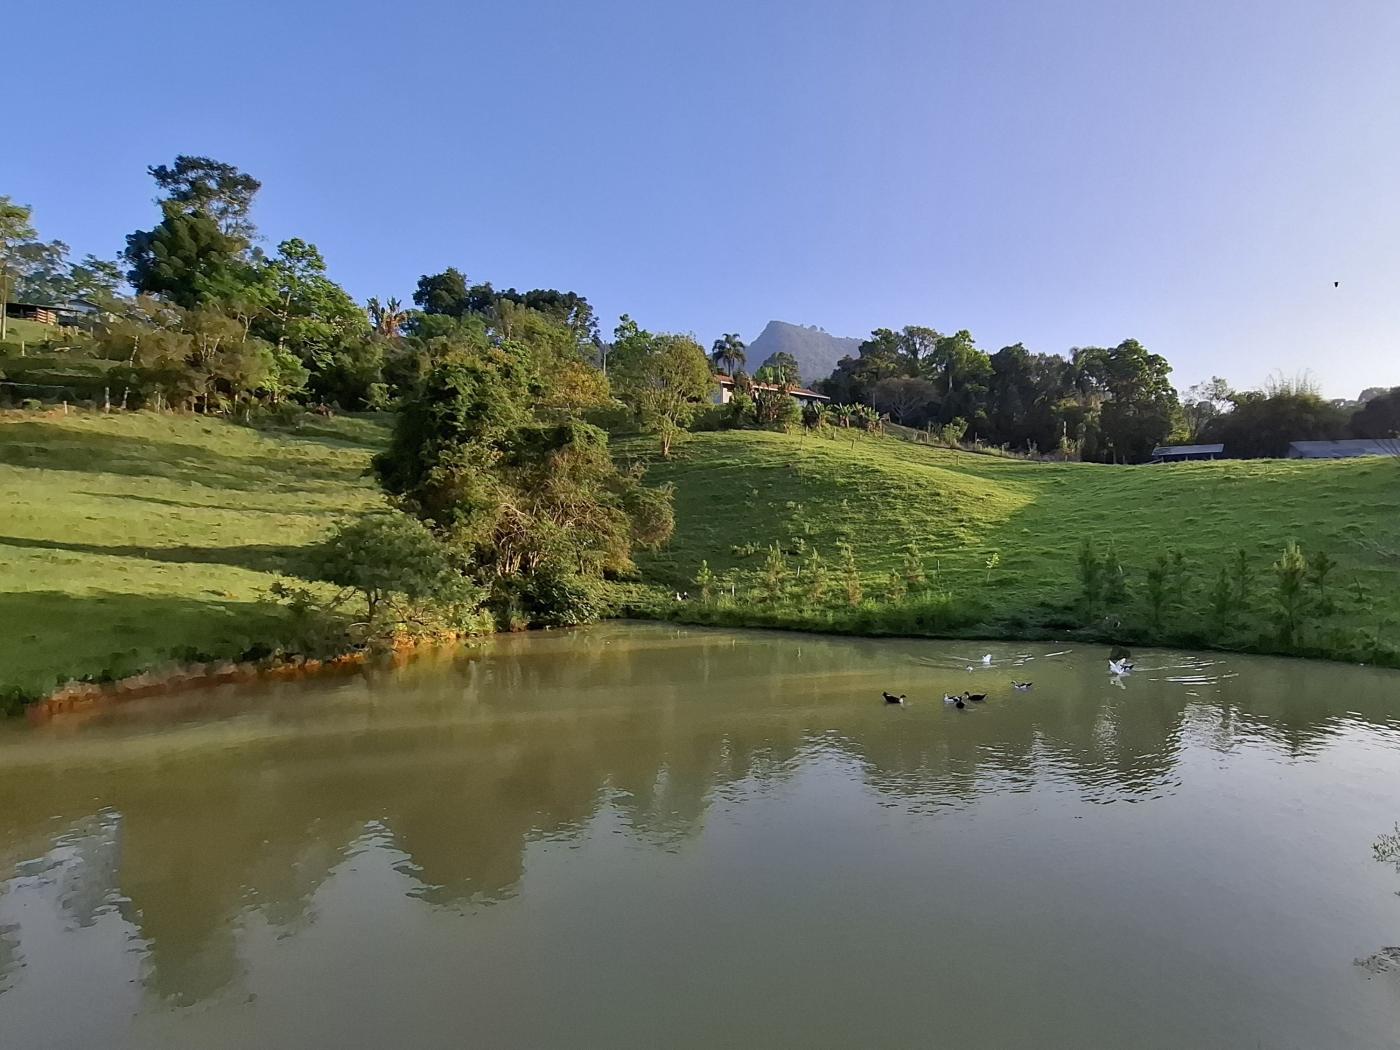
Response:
column 1192, row 174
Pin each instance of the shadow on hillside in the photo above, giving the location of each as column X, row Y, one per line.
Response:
column 51, row 636
column 260, row 557
column 46, row 446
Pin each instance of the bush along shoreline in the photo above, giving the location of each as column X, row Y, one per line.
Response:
column 399, row 592
column 1287, row 604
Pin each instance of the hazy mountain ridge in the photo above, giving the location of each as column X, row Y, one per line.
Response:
column 815, row 351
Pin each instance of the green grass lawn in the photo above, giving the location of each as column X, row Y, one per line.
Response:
column 877, row 494
column 29, row 333
column 128, row 541
column 134, row 540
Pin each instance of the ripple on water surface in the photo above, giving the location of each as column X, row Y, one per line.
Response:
column 652, row 836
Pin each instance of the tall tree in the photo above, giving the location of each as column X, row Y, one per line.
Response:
column 303, row 310
column 882, row 356
column 961, row 373
column 1203, row 402
column 665, row 378
column 188, row 259
column 442, row 293
column 1379, row 417
column 905, row 398
column 1139, row 407
column 728, row 353
column 203, row 186
column 15, row 229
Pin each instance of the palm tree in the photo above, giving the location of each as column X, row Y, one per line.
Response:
column 728, row 353
column 387, row 317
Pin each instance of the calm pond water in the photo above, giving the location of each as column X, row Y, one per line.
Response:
column 638, row 836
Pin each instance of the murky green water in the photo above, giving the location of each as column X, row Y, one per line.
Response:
column 650, row 837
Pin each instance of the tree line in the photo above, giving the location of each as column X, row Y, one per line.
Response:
column 1105, row 404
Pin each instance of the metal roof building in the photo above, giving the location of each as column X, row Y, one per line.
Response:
column 1177, row 453
column 1344, row 449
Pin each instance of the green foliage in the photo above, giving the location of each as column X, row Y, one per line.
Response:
column 665, row 378
column 1157, row 584
column 1290, row 575
column 817, row 576
column 488, row 455
column 1115, row 577
column 993, row 560
column 775, row 574
column 1092, row 578
column 1241, row 577
column 850, row 575
column 1320, row 568
column 775, row 407
column 403, row 575
column 1178, row 578
column 1222, row 603
column 188, row 260
column 1263, row 423
column 706, row 582
column 203, row 186
column 912, row 567
column 197, row 358
column 728, row 353
column 300, row 309
column 447, row 437
column 896, row 590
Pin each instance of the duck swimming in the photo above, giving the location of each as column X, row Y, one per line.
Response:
column 950, row 699
column 1120, row 667
column 976, row 698
column 1022, row 687
column 890, row 698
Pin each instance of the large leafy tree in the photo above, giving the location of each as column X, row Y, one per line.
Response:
column 664, row 377
column 303, row 310
column 204, row 186
column 1137, row 406
column 1262, row 423
column 1379, row 417
column 198, row 359
column 882, row 356
column 961, row 373
column 200, row 252
column 188, row 259
column 528, row 496
column 905, row 399
column 448, row 294
column 1202, row 403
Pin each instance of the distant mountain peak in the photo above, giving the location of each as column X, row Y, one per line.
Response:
column 815, row 350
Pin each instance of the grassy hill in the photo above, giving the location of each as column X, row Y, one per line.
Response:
column 133, row 540
column 963, row 508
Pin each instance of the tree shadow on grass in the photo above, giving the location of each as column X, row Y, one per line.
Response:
column 50, row 637
column 46, row 446
column 260, row 557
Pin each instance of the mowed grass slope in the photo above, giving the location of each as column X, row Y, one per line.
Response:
column 877, row 494
column 133, row 540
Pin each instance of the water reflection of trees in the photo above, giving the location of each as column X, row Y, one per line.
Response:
column 464, row 763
